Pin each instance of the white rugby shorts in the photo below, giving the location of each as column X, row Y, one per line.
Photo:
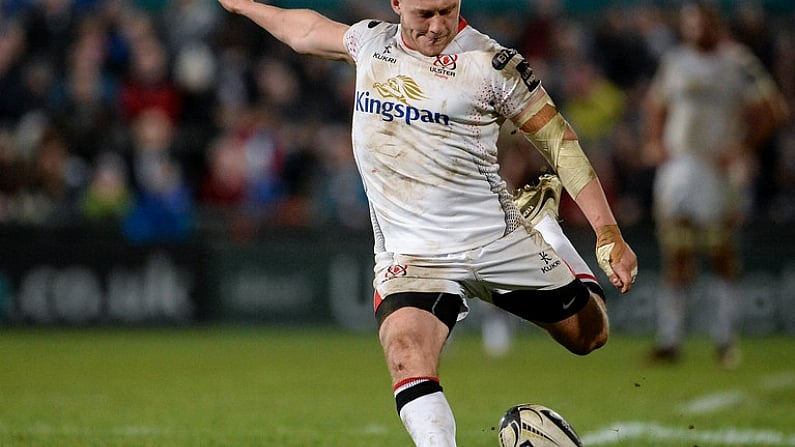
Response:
column 517, row 261
column 689, row 188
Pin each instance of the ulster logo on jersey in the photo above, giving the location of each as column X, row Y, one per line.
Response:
column 445, row 65
column 447, row 61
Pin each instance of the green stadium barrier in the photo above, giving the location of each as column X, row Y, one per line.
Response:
column 317, row 277
column 79, row 277
column 308, row 277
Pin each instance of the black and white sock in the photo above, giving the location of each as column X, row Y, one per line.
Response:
column 425, row 412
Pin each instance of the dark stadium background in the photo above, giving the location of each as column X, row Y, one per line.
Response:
column 255, row 213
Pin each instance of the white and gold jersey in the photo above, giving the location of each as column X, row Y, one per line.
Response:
column 424, row 137
column 706, row 95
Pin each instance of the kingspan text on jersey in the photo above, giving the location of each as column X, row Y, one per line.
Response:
column 390, row 110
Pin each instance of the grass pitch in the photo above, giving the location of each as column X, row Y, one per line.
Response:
column 239, row 387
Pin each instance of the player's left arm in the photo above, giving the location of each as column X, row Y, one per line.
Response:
column 764, row 114
column 544, row 126
column 766, row 108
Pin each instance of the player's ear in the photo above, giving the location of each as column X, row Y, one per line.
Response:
column 395, row 6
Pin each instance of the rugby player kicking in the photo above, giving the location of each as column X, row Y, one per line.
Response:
column 431, row 95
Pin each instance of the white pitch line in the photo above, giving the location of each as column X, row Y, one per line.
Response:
column 654, row 432
column 708, row 403
column 711, row 403
column 784, row 380
column 374, row 429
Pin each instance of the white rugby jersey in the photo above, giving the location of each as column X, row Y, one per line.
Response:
column 424, row 137
column 705, row 94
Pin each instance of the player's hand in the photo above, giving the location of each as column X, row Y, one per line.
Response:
column 616, row 258
column 235, row 6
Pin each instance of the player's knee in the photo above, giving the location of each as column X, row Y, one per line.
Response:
column 596, row 340
column 412, row 340
column 585, row 346
column 584, row 332
column 589, row 341
column 404, row 355
column 399, row 352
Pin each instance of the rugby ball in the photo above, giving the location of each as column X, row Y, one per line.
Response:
column 533, row 425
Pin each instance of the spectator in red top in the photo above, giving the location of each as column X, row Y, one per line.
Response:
column 149, row 84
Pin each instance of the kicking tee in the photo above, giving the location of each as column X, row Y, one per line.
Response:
column 424, row 137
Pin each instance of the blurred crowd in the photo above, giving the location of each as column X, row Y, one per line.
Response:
column 161, row 118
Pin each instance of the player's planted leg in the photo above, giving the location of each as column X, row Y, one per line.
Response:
column 412, row 339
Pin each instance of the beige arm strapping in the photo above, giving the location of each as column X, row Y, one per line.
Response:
column 550, row 133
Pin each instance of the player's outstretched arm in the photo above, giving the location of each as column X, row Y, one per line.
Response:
column 551, row 134
column 304, row 30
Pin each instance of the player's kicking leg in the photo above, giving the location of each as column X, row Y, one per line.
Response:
column 588, row 328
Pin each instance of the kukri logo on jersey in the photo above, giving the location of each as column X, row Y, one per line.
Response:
column 385, row 55
column 397, row 93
